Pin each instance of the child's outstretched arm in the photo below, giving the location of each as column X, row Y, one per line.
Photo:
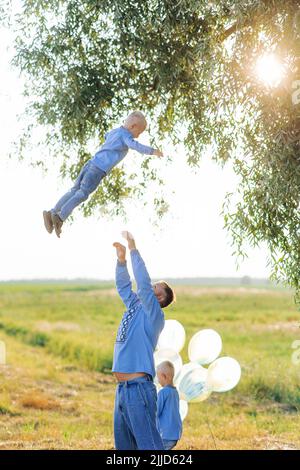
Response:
column 123, row 282
column 145, row 149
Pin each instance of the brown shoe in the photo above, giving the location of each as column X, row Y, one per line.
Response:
column 48, row 221
column 58, row 223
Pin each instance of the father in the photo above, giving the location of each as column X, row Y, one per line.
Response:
column 133, row 365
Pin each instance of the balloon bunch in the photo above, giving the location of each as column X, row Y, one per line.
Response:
column 194, row 382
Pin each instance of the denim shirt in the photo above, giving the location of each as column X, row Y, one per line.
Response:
column 142, row 322
column 115, row 148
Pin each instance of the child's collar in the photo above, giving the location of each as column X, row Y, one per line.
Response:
column 127, row 130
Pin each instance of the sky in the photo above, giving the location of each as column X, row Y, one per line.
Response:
column 190, row 241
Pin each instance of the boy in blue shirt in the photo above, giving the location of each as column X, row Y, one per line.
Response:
column 169, row 421
column 133, row 364
column 115, row 148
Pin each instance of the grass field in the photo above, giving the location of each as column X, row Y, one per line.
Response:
column 56, row 390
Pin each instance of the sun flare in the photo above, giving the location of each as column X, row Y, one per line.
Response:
column 269, row 70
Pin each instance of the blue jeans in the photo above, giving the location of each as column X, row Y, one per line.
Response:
column 168, row 445
column 135, row 416
column 87, row 181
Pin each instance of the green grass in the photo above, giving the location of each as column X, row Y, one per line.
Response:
column 60, row 339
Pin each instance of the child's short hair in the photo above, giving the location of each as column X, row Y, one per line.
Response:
column 170, row 294
column 167, row 368
column 136, row 115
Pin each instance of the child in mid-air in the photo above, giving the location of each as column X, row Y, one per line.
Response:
column 116, row 145
column 168, row 418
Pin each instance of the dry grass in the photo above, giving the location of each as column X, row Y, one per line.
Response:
column 290, row 326
column 196, row 291
column 39, row 401
column 50, row 400
column 57, row 326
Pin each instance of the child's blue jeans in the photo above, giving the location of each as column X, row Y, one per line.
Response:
column 168, row 445
column 87, row 181
column 135, row 416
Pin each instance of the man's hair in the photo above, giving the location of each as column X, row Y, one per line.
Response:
column 167, row 368
column 170, row 294
column 135, row 116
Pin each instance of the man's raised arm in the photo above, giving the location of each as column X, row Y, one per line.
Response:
column 123, row 282
column 145, row 290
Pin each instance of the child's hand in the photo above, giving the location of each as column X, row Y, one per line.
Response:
column 158, row 153
column 121, row 251
column 130, row 240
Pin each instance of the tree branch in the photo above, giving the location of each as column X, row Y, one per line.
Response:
column 250, row 22
column 228, row 32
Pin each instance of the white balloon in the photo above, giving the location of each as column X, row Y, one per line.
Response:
column 191, row 382
column 205, row 346
column 183, row 409
column 168, row 355
column 223, row 374
column 203, row 396
column 183, row 371
column 172, row 336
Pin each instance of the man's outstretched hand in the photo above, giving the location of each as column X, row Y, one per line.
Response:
column 121, row 251
column 130, row 240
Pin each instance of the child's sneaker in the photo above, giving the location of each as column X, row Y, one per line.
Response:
column 48, row 221
column 58, row 223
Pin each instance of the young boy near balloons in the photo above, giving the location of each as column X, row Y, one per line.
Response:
column 168, row 418
column 133, row 363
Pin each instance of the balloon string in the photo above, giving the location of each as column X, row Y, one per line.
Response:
column 211, row 433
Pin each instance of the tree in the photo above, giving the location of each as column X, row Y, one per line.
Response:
column 189, row 65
